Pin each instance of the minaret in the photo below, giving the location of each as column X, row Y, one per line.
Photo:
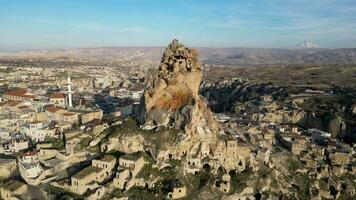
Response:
column 70, row 103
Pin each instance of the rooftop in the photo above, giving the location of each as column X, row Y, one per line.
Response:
column 13, row 185
column 52, row 109
column 108, row 158
column 30, row 153
column 5, row 160
column 57, row 96
column 132, row 157
column 68, row 114
column 19, row 93
column 86, row 172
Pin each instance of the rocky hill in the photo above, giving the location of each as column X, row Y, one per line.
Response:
column 171, row 99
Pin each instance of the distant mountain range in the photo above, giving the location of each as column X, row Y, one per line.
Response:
column 231, row 57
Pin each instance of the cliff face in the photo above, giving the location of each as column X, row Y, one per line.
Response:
column 171, row 98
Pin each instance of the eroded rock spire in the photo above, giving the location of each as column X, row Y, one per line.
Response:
column 172, row 99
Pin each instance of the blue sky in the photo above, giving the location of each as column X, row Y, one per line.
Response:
column 42, row 24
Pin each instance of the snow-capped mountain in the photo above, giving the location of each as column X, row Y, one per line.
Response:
column 307, row 45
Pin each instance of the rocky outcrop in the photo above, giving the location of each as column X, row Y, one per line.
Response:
column 236, row 90
column 171, row 99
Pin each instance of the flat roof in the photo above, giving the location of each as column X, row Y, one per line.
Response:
column 132, row 157
column 6, row 160
column 13, row 185
column 108, row 158
column 87, row 171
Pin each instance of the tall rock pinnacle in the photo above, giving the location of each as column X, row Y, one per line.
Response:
column 171, row 99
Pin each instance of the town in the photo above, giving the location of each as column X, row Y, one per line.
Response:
column 72, row 133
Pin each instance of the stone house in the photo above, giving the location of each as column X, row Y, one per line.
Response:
column 100, row 193
column 19, row 95
column 107, row 162
column 29, row 166
column 178, row 192
column 16, row 145
column 47, row 153
column 5, row 134
column 293, row 142
column 70, row 117
column 205, row 149
column 193, row 165
column 223, row 183
column 60, row 115
column 90, row 116
column 97, row 172
column 232, row 154
column 131, row 161
column 7, row 168
column 58, row 99
column 268, row 138
column 12, row 189
column 129, row 166
column 54, row 113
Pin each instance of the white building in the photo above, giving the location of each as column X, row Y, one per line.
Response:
column 29, row 166
column 5, row 134
column 16, row 145
column 37, row 131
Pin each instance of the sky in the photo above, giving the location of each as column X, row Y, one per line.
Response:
column 48, row 24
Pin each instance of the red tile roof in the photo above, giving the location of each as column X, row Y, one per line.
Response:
column 19, row 93
column 30, row 153
column 68, row 114
column 52, row 109
column 23, row 107
column 57, row 96
column 13, row 103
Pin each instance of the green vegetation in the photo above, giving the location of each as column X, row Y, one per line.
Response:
column 238, row 181
column 345, row 197
column 197, row 182
column 167, row 173
column 304, row 184
column 56, row 143
column 7, row 70
column 174, row 162
column 148, row 170
column 155, row 137
column 293, row 165
column 264, row 172
column 60, row 193
column 128, row 127
column 84, row 143
column 135, row 193
column 224, row 137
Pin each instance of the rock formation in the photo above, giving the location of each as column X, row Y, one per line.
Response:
column 171, row 99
